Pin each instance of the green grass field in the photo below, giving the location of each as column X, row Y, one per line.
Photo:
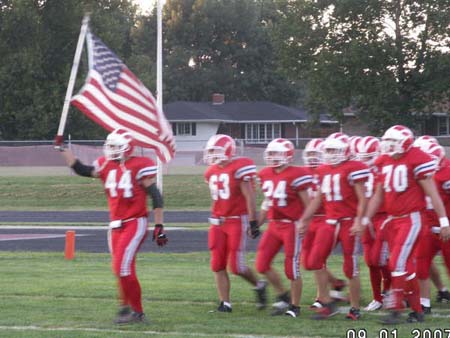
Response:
column 44, row 295
column 181, row 192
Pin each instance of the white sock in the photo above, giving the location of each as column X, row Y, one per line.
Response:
column 227, row 304
column 425, row 302
column 443, row 289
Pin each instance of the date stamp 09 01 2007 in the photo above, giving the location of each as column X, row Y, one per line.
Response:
column 393, row 333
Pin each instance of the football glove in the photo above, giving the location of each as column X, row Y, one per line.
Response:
column 254, row 229
column 159, row 236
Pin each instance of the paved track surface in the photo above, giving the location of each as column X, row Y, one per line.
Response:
column 94, row 216
column 94, row 240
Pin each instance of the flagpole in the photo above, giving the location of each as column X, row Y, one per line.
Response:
column 73, row 75
column 159, row 90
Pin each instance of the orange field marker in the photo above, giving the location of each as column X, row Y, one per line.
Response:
column 70, row 245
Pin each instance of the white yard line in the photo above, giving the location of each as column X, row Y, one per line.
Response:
column 123, row 332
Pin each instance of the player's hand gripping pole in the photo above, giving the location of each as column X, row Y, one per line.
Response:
column 73, row 74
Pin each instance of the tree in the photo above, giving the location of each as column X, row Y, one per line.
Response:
column 37, row 43
column 221, row 46
column 382, row 59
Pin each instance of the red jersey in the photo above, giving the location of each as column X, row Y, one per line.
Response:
column 442, row 180
column 127, row 198
column 314, row 190
column 398, row 178
column 371, row 184
column 224, row 185
column 281, row 189
column 336, row 186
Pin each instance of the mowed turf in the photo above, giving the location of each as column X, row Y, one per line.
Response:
column 70, row 193
column 181, row 192
column 43, row 295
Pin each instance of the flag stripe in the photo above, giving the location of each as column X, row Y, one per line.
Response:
column 101, row 102
column 114, row 97
column 87, row 104
column 136, row 112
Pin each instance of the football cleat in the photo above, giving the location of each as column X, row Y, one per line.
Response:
column 130, row 318
column 373, row 306
column 426, row 310
column 316, row 305
column 281, row 304
column 415, row 317
column 261, row 294
column 327, row 311
column 293, row 311
column 123, row 310
column 353, row 314
column 224, row 307
column 443, row 296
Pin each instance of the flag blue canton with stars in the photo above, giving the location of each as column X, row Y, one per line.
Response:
column 106, row 63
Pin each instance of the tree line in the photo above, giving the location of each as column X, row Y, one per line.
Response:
column 388, row 61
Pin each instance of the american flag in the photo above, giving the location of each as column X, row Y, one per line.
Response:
column 115, row 98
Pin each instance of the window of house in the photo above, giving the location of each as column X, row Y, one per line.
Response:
column 262, row 132
column 184, row 128
column 443, row 125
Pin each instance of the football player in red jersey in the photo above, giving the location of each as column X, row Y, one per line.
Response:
column 342, row 193
column 314, row 253
column 233, row 216
column 373, row 239
column 405, row 178
column 127, row 180
column 285, row 189
column 430, row 243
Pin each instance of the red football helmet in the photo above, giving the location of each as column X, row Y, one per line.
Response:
column 279, row 152
column 435, row 150
column 313, row 153
column 353, row 142
column 219, row 148
column 368, row 149
column 396, row 140
column 118, row 145
column 424, row 139
column 336, row 148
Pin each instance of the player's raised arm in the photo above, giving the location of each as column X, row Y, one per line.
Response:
column 78, row 167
